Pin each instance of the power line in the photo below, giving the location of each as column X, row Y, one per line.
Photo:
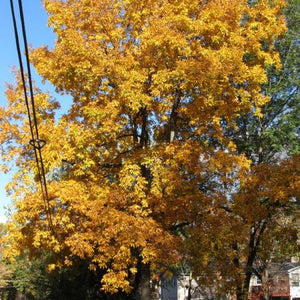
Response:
column 35, row 141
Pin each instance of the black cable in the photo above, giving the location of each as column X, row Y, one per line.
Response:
column 24, row 81
column 32, row 95
column 28, row 66
column 36, row 142
column 21, row 65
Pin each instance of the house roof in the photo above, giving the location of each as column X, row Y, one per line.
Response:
column 284, row 267
column 293, row 269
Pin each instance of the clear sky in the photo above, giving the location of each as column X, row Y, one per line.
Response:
column 37, row 34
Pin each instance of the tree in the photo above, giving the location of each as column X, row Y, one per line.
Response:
column 257, row 219
column 270, row 139
column 5, row 272
column 276, row 132
column 30, row 276
column 143, row 150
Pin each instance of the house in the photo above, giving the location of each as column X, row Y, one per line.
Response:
column 281, row 281
column 185, row 287
column 294, row 282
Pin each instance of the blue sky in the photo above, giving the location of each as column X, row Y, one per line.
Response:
column 38, row 34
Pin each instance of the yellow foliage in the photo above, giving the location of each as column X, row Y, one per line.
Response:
column 154, row 84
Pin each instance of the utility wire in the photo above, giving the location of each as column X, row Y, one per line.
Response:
column 39, row 142
column 35, row 141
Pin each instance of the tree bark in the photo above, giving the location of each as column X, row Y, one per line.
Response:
column 145, row 282
column 239, row 293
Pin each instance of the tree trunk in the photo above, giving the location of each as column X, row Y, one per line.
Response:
column 239, row 293
column 145, row 282
column 189, row 296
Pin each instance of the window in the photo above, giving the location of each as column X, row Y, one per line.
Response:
column 295, row 279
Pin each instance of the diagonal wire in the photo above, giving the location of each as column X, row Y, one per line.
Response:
column 36, row 142
column 32, row 98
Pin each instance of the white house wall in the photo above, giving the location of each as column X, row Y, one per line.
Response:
column 294, row 277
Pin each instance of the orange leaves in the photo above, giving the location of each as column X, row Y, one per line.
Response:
column 155, row 87
column 148, row 53
column 132, row 179
column 267, row 188
column 80, row 245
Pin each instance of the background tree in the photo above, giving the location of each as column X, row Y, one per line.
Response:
column 31, row 277
column 257, row 219
column 5, row 271
column 144, row 149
